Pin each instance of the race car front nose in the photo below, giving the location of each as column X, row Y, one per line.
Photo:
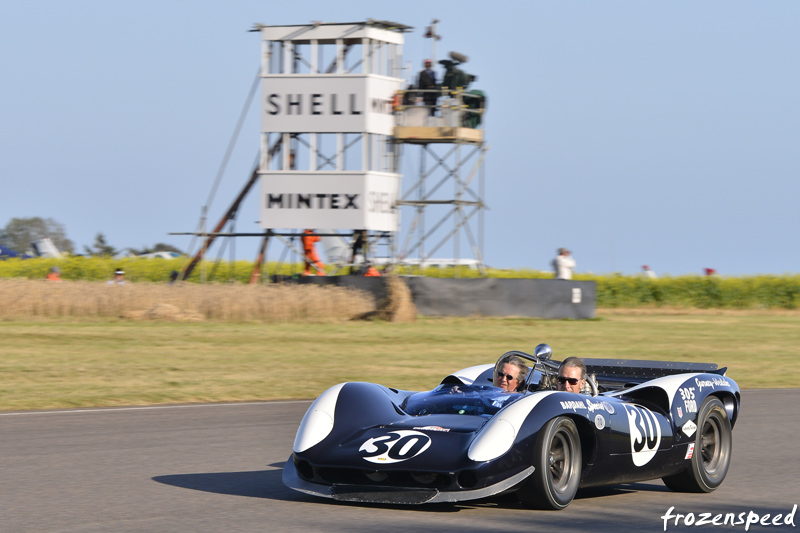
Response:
column 498, row 435
column 318, row 420
column 493, row 442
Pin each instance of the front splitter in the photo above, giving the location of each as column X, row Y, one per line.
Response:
column 395, row 495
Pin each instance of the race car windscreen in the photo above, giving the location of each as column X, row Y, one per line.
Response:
column 457, row 399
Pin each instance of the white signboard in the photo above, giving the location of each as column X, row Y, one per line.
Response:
column 328, row 104
column 337, row 200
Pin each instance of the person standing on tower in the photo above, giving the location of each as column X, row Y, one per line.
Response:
column 427, row 81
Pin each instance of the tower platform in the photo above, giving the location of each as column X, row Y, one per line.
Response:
column 437, row 134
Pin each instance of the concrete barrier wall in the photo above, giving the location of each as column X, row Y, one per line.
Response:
column 542, row 298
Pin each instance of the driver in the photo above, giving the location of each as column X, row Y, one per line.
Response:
column 510, row 373
column 572, row 375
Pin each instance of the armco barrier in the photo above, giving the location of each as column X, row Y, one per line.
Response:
column 542, row 298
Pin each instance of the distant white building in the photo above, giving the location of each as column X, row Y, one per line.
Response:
column 160, row 255
column 46, row 248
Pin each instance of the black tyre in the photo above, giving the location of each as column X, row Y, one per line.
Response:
column 712, row 451
column 557, row 463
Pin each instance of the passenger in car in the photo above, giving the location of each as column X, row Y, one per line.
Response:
column 510, row 373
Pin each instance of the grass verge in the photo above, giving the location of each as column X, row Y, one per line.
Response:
column 58, row 363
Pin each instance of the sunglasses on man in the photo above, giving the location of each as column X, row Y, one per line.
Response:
column 509, row 377
column 572, row 381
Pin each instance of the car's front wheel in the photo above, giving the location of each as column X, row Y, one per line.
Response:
column 712, row 451
column 557, row 464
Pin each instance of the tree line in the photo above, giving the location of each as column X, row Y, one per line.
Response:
column 19, row 234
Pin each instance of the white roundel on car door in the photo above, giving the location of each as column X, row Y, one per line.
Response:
column 645, row 434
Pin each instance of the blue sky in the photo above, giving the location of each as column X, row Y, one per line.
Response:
column 633, row 133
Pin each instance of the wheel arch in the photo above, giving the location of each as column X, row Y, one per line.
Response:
column 731, row 400
column 708, row 468
column 548, row 410
column 588, row 436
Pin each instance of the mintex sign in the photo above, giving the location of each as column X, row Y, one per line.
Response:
column 328, row 104
column 338, row 200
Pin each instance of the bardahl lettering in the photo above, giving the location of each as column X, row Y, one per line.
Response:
column 572, row 404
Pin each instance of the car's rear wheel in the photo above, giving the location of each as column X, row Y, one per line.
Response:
column 712, row 451
column 557, row 464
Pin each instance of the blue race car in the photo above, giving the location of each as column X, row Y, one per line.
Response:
column 467, row 439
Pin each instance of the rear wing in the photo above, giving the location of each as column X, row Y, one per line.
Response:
column 617, row 374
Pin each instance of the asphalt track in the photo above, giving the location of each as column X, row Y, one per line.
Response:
column 215, row 468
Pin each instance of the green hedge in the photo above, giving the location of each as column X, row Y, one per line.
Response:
column 613, row 290
column 136, row 270
column 747, row 292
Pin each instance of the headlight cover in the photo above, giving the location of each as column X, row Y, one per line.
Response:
column 318, row 420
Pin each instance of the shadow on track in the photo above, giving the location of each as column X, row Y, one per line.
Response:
column 257, row 484
column 618, row 490
column 268, row 484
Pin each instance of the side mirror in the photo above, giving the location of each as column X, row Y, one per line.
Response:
column 543, row 352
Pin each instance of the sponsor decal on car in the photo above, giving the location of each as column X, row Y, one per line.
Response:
column 596, row 406
column 394, row 447
column 432, row 428
column 599, row 421
column 689, row 428
column 713, row 383
column 609, row 408
column 689, row 401
column 689, row 451
column 645, row 434
column 573, row 405
column 680, row 412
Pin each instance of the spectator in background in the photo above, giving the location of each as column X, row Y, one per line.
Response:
column 563, row 264
column 359, row 246
column 648, row 272
column 54, row 274
column 311, row 258
column 173, row 277
column 119, row 277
